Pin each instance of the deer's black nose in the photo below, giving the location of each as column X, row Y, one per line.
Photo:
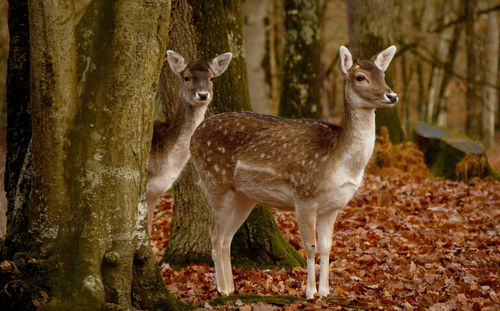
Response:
column 392, row 97
column 202, row 95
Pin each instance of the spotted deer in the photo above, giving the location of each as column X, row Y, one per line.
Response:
column 310, row 167
column 170, row 146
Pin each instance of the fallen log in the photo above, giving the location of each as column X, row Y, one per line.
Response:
column 452, row 155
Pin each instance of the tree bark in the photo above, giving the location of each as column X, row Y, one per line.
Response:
column 473, row 99
column 256, row 21
column 301, row 77
column 18, row 113
column 373, row 34
column 201, row 37
column 85, row 221
column 274, row 53
column 441, row 111
column 490, row 76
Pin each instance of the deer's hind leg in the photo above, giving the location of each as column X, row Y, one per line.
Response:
column 229, row 210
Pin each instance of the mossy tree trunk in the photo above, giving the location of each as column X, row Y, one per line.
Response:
column 300, row 77
column 18, row 99
column 373, row 24
column 80, row 233
column 203, row 30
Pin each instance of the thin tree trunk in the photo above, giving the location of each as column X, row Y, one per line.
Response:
column 301, row 77
column 324, row 98
column 421, row 90
column 440, row 51
column 473, row 99
column 440, row 113
column 351, row 11
column 275, row 50
column 255, row 17
column 407, row 72
column 433, row 86
column 490, row 76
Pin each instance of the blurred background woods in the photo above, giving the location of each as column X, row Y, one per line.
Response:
column 446, row 70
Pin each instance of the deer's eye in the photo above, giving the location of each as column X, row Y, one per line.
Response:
column 186, row 79
column 212, row 78
column 360, row 78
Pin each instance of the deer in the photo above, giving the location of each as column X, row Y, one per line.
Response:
column 309, row 167
column 170, row 144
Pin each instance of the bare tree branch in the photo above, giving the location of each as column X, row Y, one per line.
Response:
column 461, row 18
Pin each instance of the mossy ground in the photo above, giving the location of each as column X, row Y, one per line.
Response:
column 279, row 300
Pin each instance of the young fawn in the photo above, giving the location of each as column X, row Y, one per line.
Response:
column 310, row 167
column 170, row 146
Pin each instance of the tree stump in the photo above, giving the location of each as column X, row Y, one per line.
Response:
column 452, row 155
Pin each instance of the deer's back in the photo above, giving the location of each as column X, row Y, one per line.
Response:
column 278, row 150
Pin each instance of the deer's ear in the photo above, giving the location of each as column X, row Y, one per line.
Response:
column 384, row 58
column 345, row 60
column 176, row 61
column 220, row 63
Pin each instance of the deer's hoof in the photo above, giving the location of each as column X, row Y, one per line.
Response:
column 323, row 292
column 310, row 292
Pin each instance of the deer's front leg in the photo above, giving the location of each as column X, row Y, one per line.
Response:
column 307, row 227
column 326, row 223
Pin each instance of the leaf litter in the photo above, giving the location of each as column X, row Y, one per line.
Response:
column 404, row 242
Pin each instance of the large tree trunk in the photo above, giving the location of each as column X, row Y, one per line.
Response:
column 200, row 36
column 84, row 220
column 301, row 77
column 372, row 34
column 490, row 79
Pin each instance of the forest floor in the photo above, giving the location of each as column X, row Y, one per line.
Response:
column 404, row 242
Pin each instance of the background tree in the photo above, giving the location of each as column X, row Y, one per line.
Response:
column 372, row 34
column 80, row 234
column 490, row 90
column 473, row 98
column 199, row 36
column 256, row 22
column 300, row 76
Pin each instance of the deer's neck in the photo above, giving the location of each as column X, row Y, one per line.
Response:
column 167, row 161
column 357, row 138
column 185, row 121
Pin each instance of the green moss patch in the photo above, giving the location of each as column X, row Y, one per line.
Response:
column 279, row 300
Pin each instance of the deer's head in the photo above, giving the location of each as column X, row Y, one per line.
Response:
column 197, row 78
column 364, row 80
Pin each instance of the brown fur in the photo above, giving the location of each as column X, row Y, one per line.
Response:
column 308, row 166
column 278, row 143
column 170, row 146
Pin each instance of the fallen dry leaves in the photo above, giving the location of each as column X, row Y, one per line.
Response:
column 402, row 243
